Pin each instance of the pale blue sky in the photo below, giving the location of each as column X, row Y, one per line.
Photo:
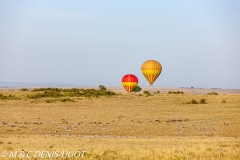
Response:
column 97, row 42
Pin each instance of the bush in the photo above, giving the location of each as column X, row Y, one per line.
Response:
column 73, row 92
column 10, row 97
column 212, row 93
column 202, row 101
column 147, row 93
column 173, row 92
column 44, row 89
column 102, row 88
column 24, row 89
column 136, row 89
column 52, row 93
column 193, row 101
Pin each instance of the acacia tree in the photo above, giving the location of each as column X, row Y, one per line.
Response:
column 102, row 87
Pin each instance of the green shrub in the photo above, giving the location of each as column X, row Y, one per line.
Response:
column 73, row 92
column 136, row 89
column 52, row 93
column 40, row 89
column 35, row 96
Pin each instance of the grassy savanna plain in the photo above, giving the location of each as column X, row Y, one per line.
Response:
column 121, row 126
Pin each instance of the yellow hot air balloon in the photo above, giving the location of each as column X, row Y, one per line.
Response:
column 151, row 69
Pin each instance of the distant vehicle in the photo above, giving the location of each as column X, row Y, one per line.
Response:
column 151, row 69
column 128, row 81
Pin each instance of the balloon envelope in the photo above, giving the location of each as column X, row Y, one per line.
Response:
column 128, row 81
column 151, row 69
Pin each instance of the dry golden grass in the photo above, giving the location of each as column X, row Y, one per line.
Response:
column 126, row 126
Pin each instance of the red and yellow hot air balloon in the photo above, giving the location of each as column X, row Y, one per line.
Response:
column 128, row 81
column 151, row 69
